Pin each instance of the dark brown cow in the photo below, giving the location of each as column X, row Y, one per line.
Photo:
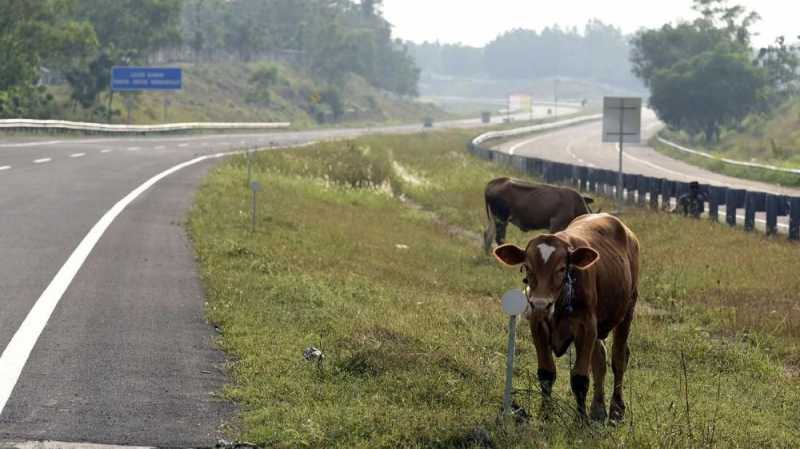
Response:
column 582, row 283
column 528, row 207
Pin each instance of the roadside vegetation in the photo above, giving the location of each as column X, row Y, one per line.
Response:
column 369, row 250
column 308, row 61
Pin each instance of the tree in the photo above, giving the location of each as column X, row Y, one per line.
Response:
column 132, row 29
column 715, row 88
column 781, row 62
column 262, row 80
column 32, row 34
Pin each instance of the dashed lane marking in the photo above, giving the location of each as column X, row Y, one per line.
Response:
column 76, row 155
column 43, row 160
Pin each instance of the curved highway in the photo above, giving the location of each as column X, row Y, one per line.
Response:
column 581, row 145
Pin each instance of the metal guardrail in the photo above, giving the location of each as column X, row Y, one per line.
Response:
column 727, row 161
column 534, row 128
column 24, row 124
column 658, row 193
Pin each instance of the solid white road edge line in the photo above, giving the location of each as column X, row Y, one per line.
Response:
column 16, row 354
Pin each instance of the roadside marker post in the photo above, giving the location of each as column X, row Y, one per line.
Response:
column 249, row 166
column 622, row 123
column 255, row 186
column 514, row 303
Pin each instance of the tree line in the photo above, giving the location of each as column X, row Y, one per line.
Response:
column 599, row 52
column 705, row 74
column 80, row 40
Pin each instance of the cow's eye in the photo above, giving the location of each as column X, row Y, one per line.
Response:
column 525, row 281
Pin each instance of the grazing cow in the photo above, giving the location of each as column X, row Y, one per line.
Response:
column 529, row 207
column 581, row 284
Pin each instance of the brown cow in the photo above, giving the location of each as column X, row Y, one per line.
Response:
column 528, row 207
column 582, row 283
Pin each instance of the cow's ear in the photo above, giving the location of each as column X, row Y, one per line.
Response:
column 583, row 257
column 510, row 255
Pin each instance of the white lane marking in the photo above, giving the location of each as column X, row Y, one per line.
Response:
column 160, row 147
column 5, row 167
column 134, row 148
column 74, row 155
column 16, row 354
column 575, row 156
column 65, row 445
column 30, row 144
column 513, row 149
column 546, row 251
column 42, row 160
column 183, row 145
column 107, row 150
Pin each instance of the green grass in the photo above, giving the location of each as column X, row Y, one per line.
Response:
column 414, row 338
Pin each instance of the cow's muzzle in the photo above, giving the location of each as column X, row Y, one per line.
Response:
column 536, row 305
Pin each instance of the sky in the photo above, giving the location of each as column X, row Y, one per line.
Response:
column 477, row 22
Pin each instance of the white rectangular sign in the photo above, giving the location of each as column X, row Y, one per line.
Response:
column 622, row 119
column 520, row 103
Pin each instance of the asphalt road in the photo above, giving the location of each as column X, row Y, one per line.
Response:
column 581, row 145
column 124, row 356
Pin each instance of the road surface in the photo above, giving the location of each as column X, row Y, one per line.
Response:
column 102, row 331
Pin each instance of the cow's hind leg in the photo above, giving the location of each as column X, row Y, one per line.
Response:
column 598, row 409
column 619, row 363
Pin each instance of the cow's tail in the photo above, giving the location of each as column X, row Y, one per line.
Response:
column 491, row 229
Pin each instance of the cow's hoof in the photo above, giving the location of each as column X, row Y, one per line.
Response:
column 617, row 412
column 598, row 412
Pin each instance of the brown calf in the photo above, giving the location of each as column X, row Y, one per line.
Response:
column 581, row 284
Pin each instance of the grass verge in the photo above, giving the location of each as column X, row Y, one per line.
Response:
column 718, row 166
column 407, row 312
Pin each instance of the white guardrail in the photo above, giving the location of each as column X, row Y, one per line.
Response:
column 728, row 161
column 102, row 128
column 534, row 128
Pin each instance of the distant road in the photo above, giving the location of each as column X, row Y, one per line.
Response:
column 125, row 355
column 581, row 145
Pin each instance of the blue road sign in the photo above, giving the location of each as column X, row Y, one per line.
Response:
column 146, row 78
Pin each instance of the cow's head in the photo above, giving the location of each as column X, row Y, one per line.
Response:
column 545, row 264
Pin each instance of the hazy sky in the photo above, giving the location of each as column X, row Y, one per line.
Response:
column 476, row 22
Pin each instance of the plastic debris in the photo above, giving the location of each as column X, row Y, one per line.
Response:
column 313, row 354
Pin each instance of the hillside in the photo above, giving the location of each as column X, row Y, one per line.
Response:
column 220, row 92
column 772, row 138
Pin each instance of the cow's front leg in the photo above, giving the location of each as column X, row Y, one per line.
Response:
column 547, row 365
column 500, row 226
column 584, row 347
column 598, row 410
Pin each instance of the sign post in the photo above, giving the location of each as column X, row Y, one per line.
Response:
column 255, row 186
column 622, row 123
column 514, row 303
